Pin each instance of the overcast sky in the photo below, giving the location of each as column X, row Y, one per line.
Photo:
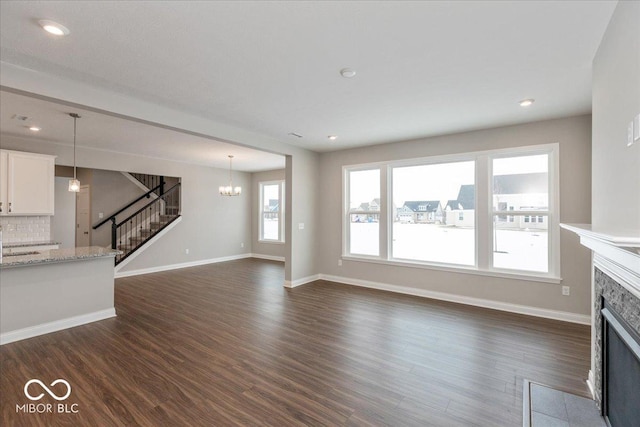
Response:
column 435, row 182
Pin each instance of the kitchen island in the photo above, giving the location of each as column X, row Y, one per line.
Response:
column 51, row 290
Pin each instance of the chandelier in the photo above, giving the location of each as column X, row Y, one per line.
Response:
column 230, row 190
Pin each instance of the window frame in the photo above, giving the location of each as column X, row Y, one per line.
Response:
column 261, row 212
column 552, row 213
column 483, row 213
column 346, row 215
column 427, row 161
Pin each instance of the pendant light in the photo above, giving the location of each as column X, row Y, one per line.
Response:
column 230, row 190
column 74, row 184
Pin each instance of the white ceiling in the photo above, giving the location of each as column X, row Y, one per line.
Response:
column 423, row 68
column 105, row 132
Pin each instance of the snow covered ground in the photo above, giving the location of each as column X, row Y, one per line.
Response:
column 515, row 249
column 270, row 229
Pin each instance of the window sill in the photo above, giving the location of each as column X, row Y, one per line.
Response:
column 459, row 269
column 272, row 242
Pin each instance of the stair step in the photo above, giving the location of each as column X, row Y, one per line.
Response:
column 125, row 248
column 154, row 225
column 136, row 240
column 166, row 218
column 145, row 233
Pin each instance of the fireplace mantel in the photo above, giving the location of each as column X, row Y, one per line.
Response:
column 615, row 251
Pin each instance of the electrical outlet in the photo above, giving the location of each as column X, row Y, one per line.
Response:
column 186, row 251
column 566, row 291
column 301, row 226
column 339, row 263
column 100, row 215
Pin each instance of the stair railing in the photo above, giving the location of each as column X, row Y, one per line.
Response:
column 113, row 216
column 151, row 181
column 132, row 232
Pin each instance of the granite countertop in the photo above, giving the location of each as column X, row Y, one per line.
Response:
column 26, row 244
column 57, row 255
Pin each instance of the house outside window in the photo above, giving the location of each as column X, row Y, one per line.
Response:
column 428, row 212
column 272, row 211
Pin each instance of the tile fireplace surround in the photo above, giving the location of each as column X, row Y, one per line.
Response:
column 616, row 277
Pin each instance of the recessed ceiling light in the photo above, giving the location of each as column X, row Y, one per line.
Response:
column 54, row 28
column 347, row 73
column 34, row 128
column 527, row 102
column 332, row 137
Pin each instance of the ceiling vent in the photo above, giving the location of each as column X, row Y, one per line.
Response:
column 19, row 117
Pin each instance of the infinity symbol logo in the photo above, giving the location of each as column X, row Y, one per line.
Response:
column 47, row 389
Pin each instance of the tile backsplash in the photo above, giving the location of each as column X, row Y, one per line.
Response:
column 18, row 229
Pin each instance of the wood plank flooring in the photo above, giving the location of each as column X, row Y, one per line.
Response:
column 226, row 344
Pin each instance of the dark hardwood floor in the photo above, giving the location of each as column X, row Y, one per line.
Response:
column 226, row 344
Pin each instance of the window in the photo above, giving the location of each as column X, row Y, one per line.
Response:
column 272, row 211
column 433, row 235
column 363, row 219
column 435, row 212
column 522, row 181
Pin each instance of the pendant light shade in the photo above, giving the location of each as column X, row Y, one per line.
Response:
column 74, row 184
column 230, row 190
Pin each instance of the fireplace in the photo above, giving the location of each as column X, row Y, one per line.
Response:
column 620, row 369
column 614, row 378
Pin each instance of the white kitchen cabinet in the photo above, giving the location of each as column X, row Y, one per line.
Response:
column 27, row 183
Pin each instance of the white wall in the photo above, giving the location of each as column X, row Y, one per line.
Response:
column 213, row 226
column 268, row 249
column 616, row 100
column 303, row 217
column 574, row 136
column 63, row 222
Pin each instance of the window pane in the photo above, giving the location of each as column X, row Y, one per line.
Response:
column 521, row 183
column 434, row 213
column 365, row 238
column 270, row 198
column 271, row 212
column 270, row 226
column 522, row 244
column 364, row 198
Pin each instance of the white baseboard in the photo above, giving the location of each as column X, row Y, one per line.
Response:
column 302, row 281
column 591, row 383
column 479, row 302
column 268, row 257
column 57, row 325
column 146, row 245
column 120, row 274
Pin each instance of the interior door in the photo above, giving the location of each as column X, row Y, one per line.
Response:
column 83, row 217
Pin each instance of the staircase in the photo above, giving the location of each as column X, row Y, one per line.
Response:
column 131, row 233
